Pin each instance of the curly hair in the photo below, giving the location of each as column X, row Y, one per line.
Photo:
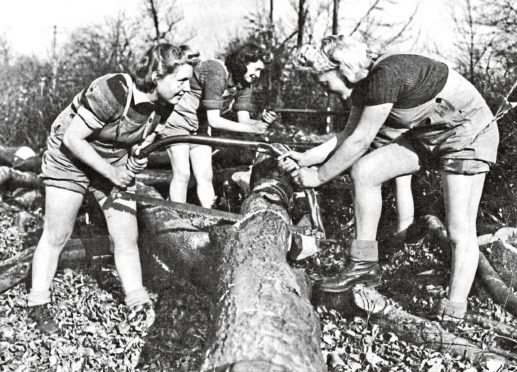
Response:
column 312, row 59
column 349, row 54
column 237, row 61
column 163, row 59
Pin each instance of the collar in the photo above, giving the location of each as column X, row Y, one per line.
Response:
column 139, row 96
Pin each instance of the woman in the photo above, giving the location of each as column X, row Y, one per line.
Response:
column 214, row 87
column 329, row 78
column 447, row 119
column 88, row 149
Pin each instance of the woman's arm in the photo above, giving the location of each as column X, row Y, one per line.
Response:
column 355, row 144
column 351, row 149
column 75, row 140
column 318, row 154
column 216, row 121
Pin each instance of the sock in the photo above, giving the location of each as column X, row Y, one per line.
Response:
column 454, row 309
column 364, row 250
column 35, row 298
column 137, row 297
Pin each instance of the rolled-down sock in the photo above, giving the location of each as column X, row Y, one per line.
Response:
column 137, row 297
column 364, row 250
column 35, row 298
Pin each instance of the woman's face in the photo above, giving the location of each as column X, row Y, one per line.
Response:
column 170, row 88
column 253, row 70
column 333, row 82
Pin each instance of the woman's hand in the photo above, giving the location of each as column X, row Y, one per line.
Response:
column 137, row 165
column 258, row 127
column 121, row 176
column 307, row 177
column 291, row 160
column 269, row 116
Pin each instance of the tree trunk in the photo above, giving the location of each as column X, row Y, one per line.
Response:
column 263, row 319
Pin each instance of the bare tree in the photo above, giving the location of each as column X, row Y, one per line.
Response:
column 165, row 18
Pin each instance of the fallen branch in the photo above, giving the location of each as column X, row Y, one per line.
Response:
column 14, row 178
column 417, row 330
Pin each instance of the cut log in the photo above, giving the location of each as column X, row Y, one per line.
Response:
column 13, row 156
column 263, row 320
column 170, row 243
column 420, row 331
column 14, row 178
column 496, row 287
column 16, row 269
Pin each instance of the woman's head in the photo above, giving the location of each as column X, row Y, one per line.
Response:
column 246, row 63
column 337, row 65
column 165, row 70
column 349, row 54
column 324, row 71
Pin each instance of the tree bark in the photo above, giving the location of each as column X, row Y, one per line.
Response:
column 263, row 319
column 14, row 178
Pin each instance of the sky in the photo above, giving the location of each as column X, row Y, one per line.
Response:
column 29, row 24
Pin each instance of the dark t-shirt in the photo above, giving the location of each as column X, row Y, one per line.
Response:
column 406, row 80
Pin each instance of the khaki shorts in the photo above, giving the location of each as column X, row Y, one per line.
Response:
column 78, row 177
column 169, row 131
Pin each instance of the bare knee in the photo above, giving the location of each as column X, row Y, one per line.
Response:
column 181, row 174
column 461, row 233
column 205, row 178
column 55, row 239
column 362, row 172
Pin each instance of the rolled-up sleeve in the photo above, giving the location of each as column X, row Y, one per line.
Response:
column 214, row 80
column 243, row 100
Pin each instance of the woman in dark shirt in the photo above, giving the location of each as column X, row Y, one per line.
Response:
column 88, row 149
column 446, row 118
column 216, row 87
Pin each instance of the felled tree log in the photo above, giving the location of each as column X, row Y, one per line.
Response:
column 16, row 269
column 502, row 253
column 496, row 287
column 263, row 320
column 420, row 331
column 15, row 178
column 170, row 243
column 14, row 155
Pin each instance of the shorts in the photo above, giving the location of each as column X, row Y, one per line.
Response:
column 170, row 130
column 76, row 176
column 456, row 130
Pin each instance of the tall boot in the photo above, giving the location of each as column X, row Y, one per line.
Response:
column 362, row 268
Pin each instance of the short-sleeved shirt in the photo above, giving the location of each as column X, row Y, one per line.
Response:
column 406, row 80
column 102, row 105
column 210, row 89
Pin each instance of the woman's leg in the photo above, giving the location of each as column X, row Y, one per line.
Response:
column 368, row 174
column 61, row 208
column 405, row 204
column 180, row 162
column 123, row 230
column 201, row 159
column 462, row 195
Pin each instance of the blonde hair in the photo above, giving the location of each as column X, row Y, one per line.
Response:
column 310, row 58
column 350, row 55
